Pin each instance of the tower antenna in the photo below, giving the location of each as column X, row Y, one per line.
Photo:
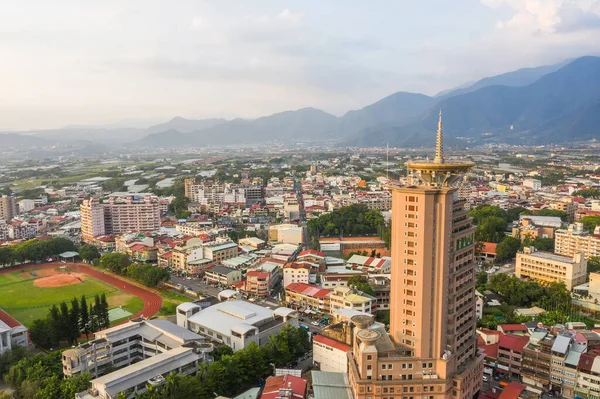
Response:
column 439, row 144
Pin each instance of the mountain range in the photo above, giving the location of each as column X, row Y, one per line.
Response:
column 547, row 104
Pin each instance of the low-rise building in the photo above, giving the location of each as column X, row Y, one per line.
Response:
column 330, row 354
column 12, row 333
column 550, row 267
column 510, row 354
column 234, row 322
column 296, row 272
column 224, row 276
column 350, row 298
column 369, row 265
column 308, row 298
column 285, row 386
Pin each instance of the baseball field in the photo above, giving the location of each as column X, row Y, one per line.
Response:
column 27, row 294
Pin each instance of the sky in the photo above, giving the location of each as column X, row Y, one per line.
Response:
column 137, row 62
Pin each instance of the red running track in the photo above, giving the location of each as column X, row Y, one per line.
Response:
column 152, row 301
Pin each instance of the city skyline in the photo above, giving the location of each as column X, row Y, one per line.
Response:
column 145, row 62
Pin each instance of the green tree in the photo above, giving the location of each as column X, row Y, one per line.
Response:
column 74, row 318
column 491, row 229
column 590, row 222
column 88, row 252
column 221, row 351
column 587, row 193
column 361, row 284
column 508, row 248
column 115, row 262
column 593, row 264
column 483, row 212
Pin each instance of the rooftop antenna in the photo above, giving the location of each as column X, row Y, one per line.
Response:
column 439, row 145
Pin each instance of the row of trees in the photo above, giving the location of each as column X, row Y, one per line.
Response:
column 353, row 220
column 34, row 250
column 41, row 376
column 588, row 193
column 232, row 373
column 121, row 264
column 65, row 323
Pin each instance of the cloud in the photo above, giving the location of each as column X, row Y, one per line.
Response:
column 289, row 16
column 198, row 23
column 548, row 17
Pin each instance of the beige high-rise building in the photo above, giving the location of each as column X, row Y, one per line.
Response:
column 431, row 349
column 124, row 212
column 8, row 207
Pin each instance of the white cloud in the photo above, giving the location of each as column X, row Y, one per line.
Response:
column 290, row 16
column 548, row 16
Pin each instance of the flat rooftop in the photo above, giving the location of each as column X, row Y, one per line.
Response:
column 551, row 256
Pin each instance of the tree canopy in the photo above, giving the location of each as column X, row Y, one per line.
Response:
column 587, row 193
column 34, row 250
column 590, row 222
column 353, row 220
column 361, row 284
column 508, row 248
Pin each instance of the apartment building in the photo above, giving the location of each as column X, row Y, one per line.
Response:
column 224, row 276
column 143, row 352
column 510, row 355
column 567, row 206
column 220, row 252
column 330, row 354
column 216, row 194
column 349, row 298
column 124, row 212
column 575, row 239
column 309, row 299
column 286, row 234
column 551, row 267
column 8, row 207
column 296, row 272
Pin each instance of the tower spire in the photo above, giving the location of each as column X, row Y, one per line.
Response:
column 439, row 145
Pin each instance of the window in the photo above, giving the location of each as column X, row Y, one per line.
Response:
column 369, row 357
column 369, row 367
column 383, row 366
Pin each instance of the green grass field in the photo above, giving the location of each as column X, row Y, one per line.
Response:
column 26, row 302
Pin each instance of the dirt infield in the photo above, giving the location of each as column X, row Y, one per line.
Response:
column 152, row 301
column 59, row 280
column 39, row 273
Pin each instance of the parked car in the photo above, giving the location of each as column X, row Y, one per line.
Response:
column 486, row 378
column 314, row 323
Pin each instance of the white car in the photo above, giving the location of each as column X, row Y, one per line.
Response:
column 486, row 378
column 314, row 323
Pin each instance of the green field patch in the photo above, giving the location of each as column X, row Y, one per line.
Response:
column 26, row 302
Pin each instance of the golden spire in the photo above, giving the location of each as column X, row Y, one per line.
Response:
column 439, row 145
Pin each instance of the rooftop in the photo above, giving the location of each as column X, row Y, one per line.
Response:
column 551, row 256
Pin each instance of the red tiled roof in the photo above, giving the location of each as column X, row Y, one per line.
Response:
column 308, row 290
column 513, row 342
column 257, row 274
column 311, row 252
column 490, row 351
column 8, row 319
column 138, row 247
column 512, row 391
column 273, row 384
column 489, row 248
column 512, row 327
column 296, row 265
column 167, row 255
column 331, row 342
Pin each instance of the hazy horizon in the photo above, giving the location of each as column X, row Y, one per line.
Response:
column 145, row 62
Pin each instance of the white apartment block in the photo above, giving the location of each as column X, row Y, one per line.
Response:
column 124, row 212
column 143, row 352
column 296, row 273
column 12, row 336
column 575, row 239
column 533, row 184
column 551, row 267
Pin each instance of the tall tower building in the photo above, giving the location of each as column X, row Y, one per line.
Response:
column 431, row 350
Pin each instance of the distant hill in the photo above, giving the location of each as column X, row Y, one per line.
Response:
column 301, row 125
column 15, row 140
column 520, row 77
column 397, row 109
column 168, row 139
column 183, row 125
column 560, row 106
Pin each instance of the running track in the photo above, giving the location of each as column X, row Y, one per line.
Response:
column 152, row 301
